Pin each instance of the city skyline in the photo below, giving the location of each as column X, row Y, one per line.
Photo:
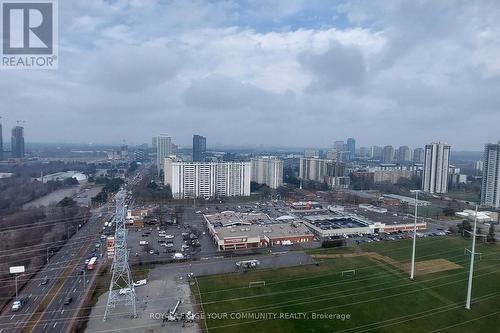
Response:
column 275, row 73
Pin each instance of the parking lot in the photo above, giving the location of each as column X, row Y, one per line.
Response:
column 155, row 243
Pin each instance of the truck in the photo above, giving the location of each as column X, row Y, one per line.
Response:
column 247, row 264
column 143, row 243
column 286, row 243
column 91, row 263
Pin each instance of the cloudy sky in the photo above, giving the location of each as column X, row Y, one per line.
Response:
column 278, row 72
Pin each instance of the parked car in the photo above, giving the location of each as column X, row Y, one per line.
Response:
column 68, row 300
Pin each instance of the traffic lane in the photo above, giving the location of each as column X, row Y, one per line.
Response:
column 51, row 271
column 53, row 319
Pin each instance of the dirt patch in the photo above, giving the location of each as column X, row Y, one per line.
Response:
column 421, row 267
column 433, row 266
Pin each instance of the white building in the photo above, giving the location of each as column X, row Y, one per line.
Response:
column 436, row 167
column 490, row 191
column 163, row 150
column 313, row 169
column 207, row 179
column 267, row 170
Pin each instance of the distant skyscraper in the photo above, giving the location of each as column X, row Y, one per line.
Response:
column 351, row 147
column 490, row 191
column 388, row 154
column 436, row 168
column 17, row 142
column 163, row 150
column 404, row 154
column 199, row 148
column 154, row 141
column 418, row 155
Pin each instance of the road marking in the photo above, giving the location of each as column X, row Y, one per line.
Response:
column 12, row 317
column 55, row 325
column 62, row 311
column 45, row 325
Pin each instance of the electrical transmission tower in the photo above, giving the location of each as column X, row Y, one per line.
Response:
column 121, row 288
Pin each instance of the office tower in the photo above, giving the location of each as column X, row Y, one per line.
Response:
column 418, row 155
column 436, row 168
column 154, row 140
column 267, row 170
column 199, row 148
column 403, row 155
column 388, row 154
column 1, row 143
column 163, row 150
column 490, row 191
column 207, row 179
column 311, row 153
column 313, row 169
column 17, row 142
column 351, row 148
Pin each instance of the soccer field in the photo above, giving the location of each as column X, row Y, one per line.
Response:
column 378, row 298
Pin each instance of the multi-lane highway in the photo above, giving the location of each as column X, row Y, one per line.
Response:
column 63, row 280
column 47, row 308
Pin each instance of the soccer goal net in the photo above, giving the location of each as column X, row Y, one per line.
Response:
column 349, row 273
column 256, row 284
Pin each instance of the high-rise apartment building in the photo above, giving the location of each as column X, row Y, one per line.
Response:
column 403, row 155
column 313, row 169
column 267, row 170
column 163, row 150
column 376, row 152
column 351, row 148
column 17, row 142
column 490, row 191
column 199, row 148
column 311, row 153
column 418, row 155
column 436, row 168
column 207, row 179
column 388, row 154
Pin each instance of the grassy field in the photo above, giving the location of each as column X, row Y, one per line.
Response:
column 379, row 298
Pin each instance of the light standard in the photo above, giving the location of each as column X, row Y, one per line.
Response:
column 471, row 270
column 412, row 274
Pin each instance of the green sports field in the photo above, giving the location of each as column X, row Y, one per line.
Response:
column 379, row 298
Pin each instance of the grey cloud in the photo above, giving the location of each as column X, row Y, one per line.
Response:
column 222, row 92
column 340, row 66
column 132, row 68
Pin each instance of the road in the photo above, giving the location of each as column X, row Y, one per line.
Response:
column 35, row 291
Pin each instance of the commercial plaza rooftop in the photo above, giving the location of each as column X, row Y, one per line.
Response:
column 230, row 218
column 230, row 224
column 271, row 230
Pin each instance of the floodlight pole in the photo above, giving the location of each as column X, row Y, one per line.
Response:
column 412, row 274
column 15, row 279
column 471, row 270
